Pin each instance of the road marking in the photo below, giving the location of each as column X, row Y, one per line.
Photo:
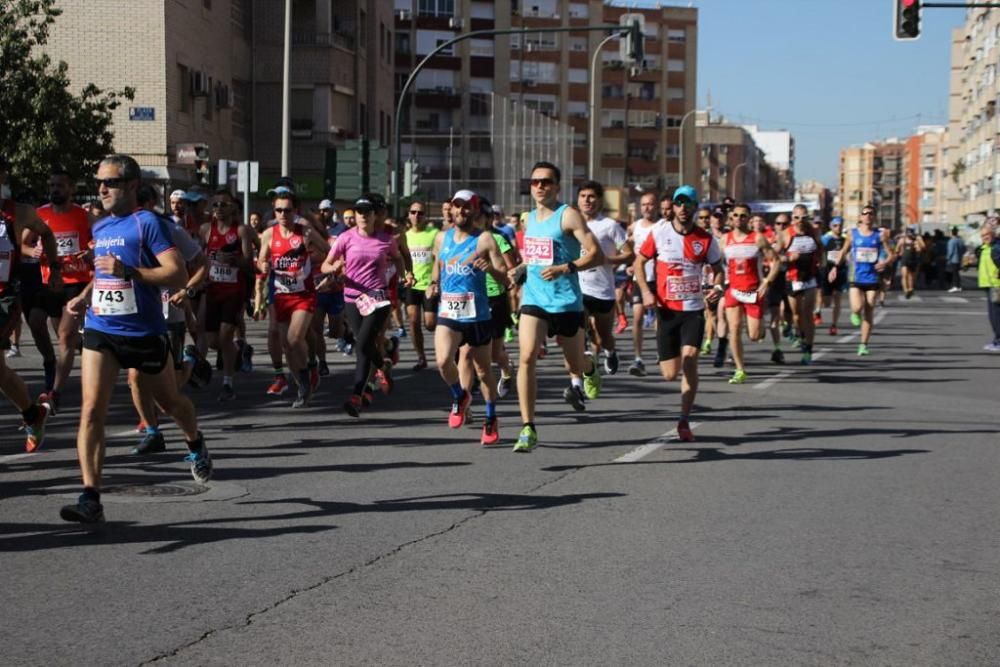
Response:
column 879, row 316
column 653, row 445
column 14, row 457
column 915, row 297
column 772, row 380
column 954, row 299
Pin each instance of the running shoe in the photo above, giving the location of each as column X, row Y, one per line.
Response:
column 807, row 358
column 648, row 319
column 353, row 405
column 301, row 400
column 201, row 465
column 227, row 393
column 508, row 335
column 348, row 349
column 863, row 350
column 777, row 357
column 527, row 440
column 592, row 383
column 13, row 352
column 611, row 362
column 278, row 387
column 35, row 431
column 833, row 331
column 151, row 443
column 51, row 399
column 720, row 357
column 786, row 331
column 856, row 319
column 313, row 379
column 140, row 427
column 739, row 377
column 575, row 397
column 622, row 324
column 86, row 510
column 491, row 433
column 420, row 365
column 384, row 378
column 340, row 344
column 992, row 347
column 393, row 348
column 684, row 433
column 504, row 385
column 456, row 418
column 368, row 395
column 637, row 369
column 706, row 346
column 246, row 358
column 401, row 332
column 818, row 318
column 324, row 368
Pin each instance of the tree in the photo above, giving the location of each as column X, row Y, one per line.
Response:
column 42, row 124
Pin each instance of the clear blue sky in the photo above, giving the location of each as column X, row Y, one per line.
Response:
column 815, row 66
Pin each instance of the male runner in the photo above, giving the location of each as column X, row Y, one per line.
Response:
column 135, row 258
column 679, row 252
column 464, row 256
column 421, row 240
column 833, row 291
column 641, row 229
column 551, row 301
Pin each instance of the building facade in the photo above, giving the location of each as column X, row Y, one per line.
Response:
column 924, row 178
column 449, row 115
column 729, row 161
column 872, row 174
column 778, row 147
column 208, row 73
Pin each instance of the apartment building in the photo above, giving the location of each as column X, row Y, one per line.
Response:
column 924, row 178
column 209, row 73
column 973, row 123
column 778, row 147
column 729, row 162
column 872, row 174
column 449, row 116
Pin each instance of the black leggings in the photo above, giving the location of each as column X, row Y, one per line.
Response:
column 993, row 310
column 366, row 330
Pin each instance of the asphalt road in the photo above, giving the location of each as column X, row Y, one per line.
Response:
column 840, row 514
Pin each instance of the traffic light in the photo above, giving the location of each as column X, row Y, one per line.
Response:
column 202, row 173
column 907, row 19
column 411, row 178
column 634, row 46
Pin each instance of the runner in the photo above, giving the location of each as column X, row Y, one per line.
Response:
column 552, row 304
column 361, row 255
column 71, row 225
column 421, row 240
column 745, row 251
column 329, row 318
column 641, row 229
column 909, row 248
column 287, row 252
column 598, row 283
column 229, row 248
column 800, row 249
column 864, row 247
column 833, row 290
column 465, row 255
column 135, row 258
column 679, row 251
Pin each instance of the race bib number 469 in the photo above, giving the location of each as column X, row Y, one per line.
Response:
column 113, row 297
column 538, row 251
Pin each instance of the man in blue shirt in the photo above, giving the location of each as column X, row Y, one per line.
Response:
column 134, row 258
column 953, row 260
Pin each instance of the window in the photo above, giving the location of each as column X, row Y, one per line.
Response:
column 481, row 47
column 449, row 51
column 676, row 36
column 577, row 75
column 577, row 43
column 403, row 43
column 675, row 93
column 579, row 10
column 675, row 65
column 241, row 109
column 184, row 76
column 436, row 8
column 542, row 41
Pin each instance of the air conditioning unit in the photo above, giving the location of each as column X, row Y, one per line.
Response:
column 200, row 86
column 455, row 22
column 404, row 14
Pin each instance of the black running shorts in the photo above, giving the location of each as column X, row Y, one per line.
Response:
column 676, row 329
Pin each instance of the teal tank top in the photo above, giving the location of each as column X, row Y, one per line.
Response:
column 463, row 287
column 545, row 244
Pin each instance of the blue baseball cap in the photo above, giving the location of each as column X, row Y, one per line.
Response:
column 836, row 220
column 685, row 193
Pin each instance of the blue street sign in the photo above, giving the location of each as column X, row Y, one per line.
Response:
column 142, row 113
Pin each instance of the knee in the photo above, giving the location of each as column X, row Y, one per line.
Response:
column 90, row 415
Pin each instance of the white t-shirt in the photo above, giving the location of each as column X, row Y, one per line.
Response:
column 189, row 249
column 639, row 234
column 599, row 282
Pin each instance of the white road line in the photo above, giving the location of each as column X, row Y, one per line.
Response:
column 879, row 316
column 772, row 380
column 915, row 297
column 954, row 299
column 14, row 457
column 657, row 443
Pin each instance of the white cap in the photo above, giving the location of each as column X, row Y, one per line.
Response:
column 177, row 194
column 467, row 195
column 325, row 204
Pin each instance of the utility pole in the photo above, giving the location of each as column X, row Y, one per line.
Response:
column 286, row 87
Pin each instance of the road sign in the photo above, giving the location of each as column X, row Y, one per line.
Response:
column 247, row 170
column 631, row 49
column 142, row 113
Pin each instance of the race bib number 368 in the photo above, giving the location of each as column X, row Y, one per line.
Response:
column 113, row 297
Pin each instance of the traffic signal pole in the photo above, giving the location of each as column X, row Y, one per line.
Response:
column 397, row 189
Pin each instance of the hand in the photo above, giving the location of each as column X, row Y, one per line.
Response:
column 431, row 291
column 481, row 264
column 76, row 306
column 409, row 280
column 713, row 296
column 762, row 291
column 109, row 265
column 36, row 252
column 178, row 298
column 554, row 271
column 259, row 308
column 880, row 266
column 516, row 273
column 648, row 299
column 630, row 270
column 832, row 276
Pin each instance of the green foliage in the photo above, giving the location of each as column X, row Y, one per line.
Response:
column 42, row 124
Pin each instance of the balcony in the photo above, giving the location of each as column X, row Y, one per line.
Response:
column 323, row 39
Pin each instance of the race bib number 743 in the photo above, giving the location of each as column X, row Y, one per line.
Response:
column 112, row 296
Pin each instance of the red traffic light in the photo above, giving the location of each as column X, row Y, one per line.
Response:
column 907, row 19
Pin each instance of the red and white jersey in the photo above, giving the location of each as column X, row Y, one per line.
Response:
column 290, row 262
column 640, row 232
column 743, row 262
column 680, row 261
column 222, row 277
column 806, row 267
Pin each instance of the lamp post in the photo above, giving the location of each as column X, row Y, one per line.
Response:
column 680, row 144
column 592, row 162
column 736, row 169
column 286, row 90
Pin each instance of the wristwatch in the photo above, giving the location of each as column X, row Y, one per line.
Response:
column 191, row 292
column 573, row 268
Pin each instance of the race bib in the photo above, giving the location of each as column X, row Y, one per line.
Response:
column 866, row 255
column 538, row 251
column 221, row 273
column 67, row 243
column 421, row 255
column 5, row 260
column 681, row 288
column 745, row 296
column 458, row 306
column 369, row 302
column 288, row 282
column 799, row 285
column 833, row 256
column 112, row 296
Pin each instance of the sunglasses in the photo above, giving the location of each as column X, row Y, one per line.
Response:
column 867, row 212
column 683, row 201
column 542, row 182
column 417, row 213
column 112, row 183
column 739, row 215
column 221, row 204
column 799, row 217
column 704, row 217
column 364, row 210
column 279, row 209
column 781, row 224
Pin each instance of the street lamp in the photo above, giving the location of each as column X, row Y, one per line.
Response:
column 680, row 144
column 592, row 162
column 736, row 169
